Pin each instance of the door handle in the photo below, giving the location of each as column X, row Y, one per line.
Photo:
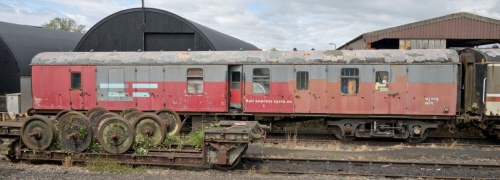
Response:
column 393, row 94
column 484, row 90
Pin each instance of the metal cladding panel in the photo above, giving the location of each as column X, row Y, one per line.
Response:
column 242, row 57
column 317, row 87
column 301, row 103
column 332, row 73
column 142, row 86
column 398, row 88
column 427, row 98
column 433, row 73
column 156, row 74
column 212, row 99
column 113, row 91
column 279, row 98
column 361, row 103
column 175, row 74
column 56, row 95
column 282, row 73
column 432, row 89
column 215, row 73
column 492, row 97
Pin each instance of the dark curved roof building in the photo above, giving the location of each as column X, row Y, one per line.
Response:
column 20, row 43
column 150, row 29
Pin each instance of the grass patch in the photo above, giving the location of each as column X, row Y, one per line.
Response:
column 196, row 138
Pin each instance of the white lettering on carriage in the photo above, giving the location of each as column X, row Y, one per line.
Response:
column 268, row 101
column 431, row 100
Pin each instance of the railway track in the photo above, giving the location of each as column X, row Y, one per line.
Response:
column 312, row 142
column 389, row 169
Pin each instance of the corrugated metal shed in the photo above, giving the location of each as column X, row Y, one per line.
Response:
column 460, row 29
column 20, row 43
column 152, row 29
column 248, row 57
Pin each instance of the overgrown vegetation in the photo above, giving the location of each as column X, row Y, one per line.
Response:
column 142, row 144
column 171, row 140
column 95, row 146
column 196, row 138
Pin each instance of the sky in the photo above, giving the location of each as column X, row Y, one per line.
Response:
column 280, row 24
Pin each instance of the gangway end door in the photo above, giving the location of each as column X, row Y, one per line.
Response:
column 235, row 87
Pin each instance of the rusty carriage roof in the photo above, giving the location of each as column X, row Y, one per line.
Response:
column 247, row 57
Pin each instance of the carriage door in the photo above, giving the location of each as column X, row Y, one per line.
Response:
column 398, row 88
column 235, row 84
column 82, row 87
column 301, row 90
column 381, row 98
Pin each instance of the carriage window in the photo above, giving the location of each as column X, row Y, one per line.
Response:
column 381, row 81
column 349, row 81
column 261, row 80
column 235, row 80
column 76, row 80
column 302, row 80
column 195, row 80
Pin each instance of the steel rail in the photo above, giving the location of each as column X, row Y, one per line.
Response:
column 294, row 161
column 370, row 143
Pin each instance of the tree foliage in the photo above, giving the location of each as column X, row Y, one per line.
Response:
column 65, row 24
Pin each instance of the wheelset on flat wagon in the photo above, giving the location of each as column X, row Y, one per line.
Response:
column 115, row 132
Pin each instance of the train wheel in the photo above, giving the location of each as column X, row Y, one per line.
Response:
column 60, row 114
column 94, row 109
column 423, row 136
column 116, row 135
column 95, row 116
column 102, row 117
column 338, row 134
column 75, row 132
column 152, row 126
column 173, row 119
column 132, row 116
column 37, row 132
column 126, row 111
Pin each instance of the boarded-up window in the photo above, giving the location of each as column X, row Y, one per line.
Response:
column 261, row 80
column 194, row 80
column 302, row 80
column 76, row 80
column 349, row 81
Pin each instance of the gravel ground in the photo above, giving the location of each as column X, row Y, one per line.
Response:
column 27, row 171
column 443, row 154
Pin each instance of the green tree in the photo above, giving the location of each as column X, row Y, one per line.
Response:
column 65, row 24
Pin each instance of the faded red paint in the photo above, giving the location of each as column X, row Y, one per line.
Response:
column 52, row 91
column 50, row 87
column 397, row 94
column 431, row 98
column 493, row 99
column 361, row 103
column 235, row 94
column 279, row 100
column 318, row 97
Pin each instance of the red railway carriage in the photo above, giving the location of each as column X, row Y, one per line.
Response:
column 395, row 88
